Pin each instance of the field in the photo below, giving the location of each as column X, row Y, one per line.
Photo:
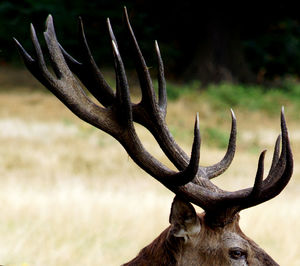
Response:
column 70, row 195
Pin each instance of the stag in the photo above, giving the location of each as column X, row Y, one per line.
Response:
column 210, row 238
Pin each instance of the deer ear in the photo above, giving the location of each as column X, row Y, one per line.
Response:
column 183, row 219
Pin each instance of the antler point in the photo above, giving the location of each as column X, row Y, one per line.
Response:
column 108, row 24
column 49, row 19
column 125, row 11
column 197, row 121
column 156, row 46
column 232, row 113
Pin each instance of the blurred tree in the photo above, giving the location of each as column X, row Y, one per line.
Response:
column 212, row 41
column 245, row 41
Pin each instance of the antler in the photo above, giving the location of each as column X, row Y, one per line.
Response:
column 118, row 113
column 116, row 119
column 149, row 113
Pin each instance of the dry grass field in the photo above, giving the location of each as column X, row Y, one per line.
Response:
column 70, row 195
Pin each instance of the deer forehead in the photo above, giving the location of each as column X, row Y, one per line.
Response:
column 232, row 239
column 220, row 240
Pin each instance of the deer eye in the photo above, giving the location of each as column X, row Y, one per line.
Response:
column 237, row 253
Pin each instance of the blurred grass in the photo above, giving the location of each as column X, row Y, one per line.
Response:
column 70, row 195
column 252, row 98
column 246, row 97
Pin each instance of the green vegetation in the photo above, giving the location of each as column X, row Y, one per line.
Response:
column 215, row 137
column 251, row 98
column 245, row 97
column 175, row 91
column 255, row 98
column 212, row 136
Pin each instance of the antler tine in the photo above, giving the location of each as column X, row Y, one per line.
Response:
column 111, row 32
column 39, row 54
column 73, row 64
column 30, row 63
column 219, row 168
column 275, row 155
column 58, row 62
column 278, row 182
column 88, row 71
column 278, row 162
column 123, row 103
column 257, row 188
column 190, row 172
column 148, row 93
column 26, row 57
column 162, row 88
column 99, row 87
column 278, row 176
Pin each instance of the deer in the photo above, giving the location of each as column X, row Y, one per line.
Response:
column 212, row 237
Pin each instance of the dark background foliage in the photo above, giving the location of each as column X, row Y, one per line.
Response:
column 210, row 41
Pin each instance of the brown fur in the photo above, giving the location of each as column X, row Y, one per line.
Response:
column 162, row 251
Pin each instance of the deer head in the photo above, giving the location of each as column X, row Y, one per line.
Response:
column 210, row 238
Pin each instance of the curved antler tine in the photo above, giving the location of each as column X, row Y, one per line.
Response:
column 26, row 57
column 257, row 188
column 277, row 170
column 88, row 71
column 275, row 155
column 84, row 43
column 111, row 32
column 274, row 188
column 93, row 78
column 195, row 155
column 189, row 173
column 31, row 64
column 278, row 178
column 39, row 54
column 88, row 58
column 71, row 61
column 60, row 67
column 148, row 93
column 162, row 90
column 122, row 88
column 284, row 131
column 219, row 168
